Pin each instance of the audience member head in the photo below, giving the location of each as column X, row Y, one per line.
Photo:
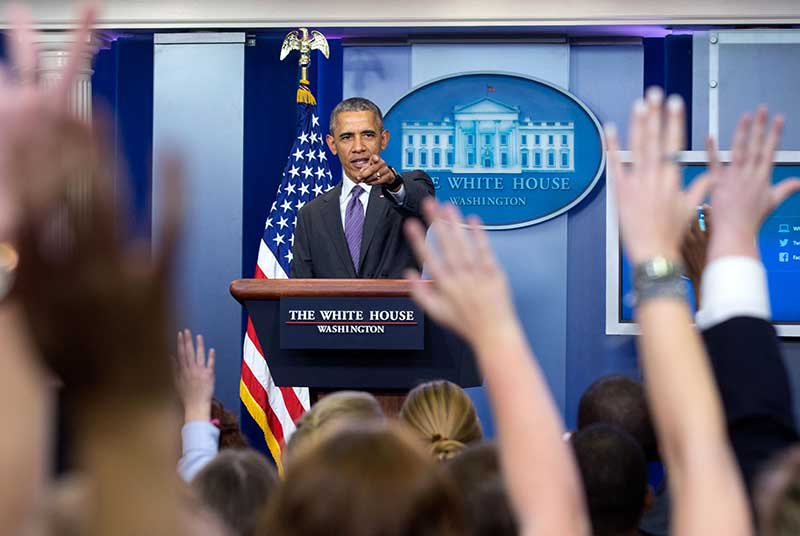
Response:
column 777, row 496
column 336, row 408
column 614, row 473
column 230, row 435
column 237, row 485
column 619, row 401
column 476, row 473
column 365, row 479
column 442, row 414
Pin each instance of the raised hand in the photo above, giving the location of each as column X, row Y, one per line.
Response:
column 654, row 210
column 95, row 304
column 654, row 213
column 742, row 192
column 469, row 292
column 195, row 376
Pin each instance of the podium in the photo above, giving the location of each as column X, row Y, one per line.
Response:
column 345, row 363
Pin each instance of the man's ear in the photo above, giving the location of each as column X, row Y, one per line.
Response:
column 331, row 145
column 384, row 139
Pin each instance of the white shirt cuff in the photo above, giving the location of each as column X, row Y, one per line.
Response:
column 731, row 287
column 399, row 195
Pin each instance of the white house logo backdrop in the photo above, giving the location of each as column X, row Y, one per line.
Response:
column 514, row 150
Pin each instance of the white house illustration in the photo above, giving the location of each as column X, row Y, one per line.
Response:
column 488, row 136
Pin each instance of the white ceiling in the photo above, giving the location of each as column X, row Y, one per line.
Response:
column 155, row 14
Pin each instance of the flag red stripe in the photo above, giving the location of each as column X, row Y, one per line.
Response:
column 293, row 405
column 251, row 334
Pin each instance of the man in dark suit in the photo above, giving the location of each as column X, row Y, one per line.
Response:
column 355, row 230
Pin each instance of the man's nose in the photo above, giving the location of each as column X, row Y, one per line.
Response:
column 358, row 144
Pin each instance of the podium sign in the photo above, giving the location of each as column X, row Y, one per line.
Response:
column 347, row 323
column 397, row 349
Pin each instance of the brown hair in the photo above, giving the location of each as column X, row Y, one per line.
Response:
column 777, row 495
column 237, row 485
column 338, row 407
column 367, row 479
column 230, row 435
column 478, row 476
column 443, row 415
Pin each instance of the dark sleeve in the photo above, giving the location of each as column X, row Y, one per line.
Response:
column 302, row 265
column 418, row 186
column 755, row 390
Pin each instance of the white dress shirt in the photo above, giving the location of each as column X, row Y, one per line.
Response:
column 731, row 287
column 347, row 187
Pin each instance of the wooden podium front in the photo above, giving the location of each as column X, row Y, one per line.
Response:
column 388, row 374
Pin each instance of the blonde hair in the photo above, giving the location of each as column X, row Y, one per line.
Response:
column 442, row 414
column 335, row 408
column 777, row 495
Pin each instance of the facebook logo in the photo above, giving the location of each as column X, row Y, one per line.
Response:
column 783, row 256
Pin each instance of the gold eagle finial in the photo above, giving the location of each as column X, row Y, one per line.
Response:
column 300, row 40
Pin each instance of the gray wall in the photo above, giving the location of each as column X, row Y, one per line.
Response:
column 198, row 111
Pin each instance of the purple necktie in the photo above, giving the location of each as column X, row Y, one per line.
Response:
column 354, row 224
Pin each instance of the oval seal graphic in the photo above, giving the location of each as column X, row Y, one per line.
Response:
column 513, row 150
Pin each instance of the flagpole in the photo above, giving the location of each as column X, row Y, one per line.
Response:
column 273, row 408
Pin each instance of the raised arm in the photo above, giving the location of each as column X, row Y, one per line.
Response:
column 469, row 294
column 735, row 316
column 26, row 389
column 195, row 378
column 654, row 214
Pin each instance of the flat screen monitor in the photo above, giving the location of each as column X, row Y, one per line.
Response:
column 778, row 240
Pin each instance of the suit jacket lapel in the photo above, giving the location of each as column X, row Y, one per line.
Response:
column 333, row 220
column 376, row 216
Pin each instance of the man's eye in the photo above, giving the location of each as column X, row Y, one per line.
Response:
column 345, row 137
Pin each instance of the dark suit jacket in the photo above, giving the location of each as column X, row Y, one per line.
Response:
column 320, row 247
column 756, row 396
column 755, row 391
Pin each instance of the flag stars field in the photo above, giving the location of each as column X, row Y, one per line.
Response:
column 274, row 409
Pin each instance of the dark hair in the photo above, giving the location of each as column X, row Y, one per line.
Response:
column 614, row 473
column 477, row 474
column 237, row 485
column 230, row 435
column 355, row 104
column 442, row 414
column 621, row 402
column 367, row 479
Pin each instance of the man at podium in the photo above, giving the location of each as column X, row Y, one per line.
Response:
column 355, row 230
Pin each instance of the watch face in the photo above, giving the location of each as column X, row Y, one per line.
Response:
column 659, row 267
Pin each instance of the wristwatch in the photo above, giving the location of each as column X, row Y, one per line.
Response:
column 659, row 277
column 397, row 182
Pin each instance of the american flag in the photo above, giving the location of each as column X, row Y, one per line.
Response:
column 305, row 176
